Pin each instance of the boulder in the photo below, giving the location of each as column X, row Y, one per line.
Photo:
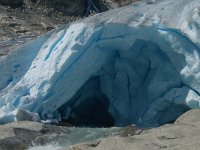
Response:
column 184, row 134
column 24, row 115
column 21, row 135
column 192, row 116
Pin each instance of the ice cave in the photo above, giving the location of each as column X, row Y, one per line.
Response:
column 140, row 67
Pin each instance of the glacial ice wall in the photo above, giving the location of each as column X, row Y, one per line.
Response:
column 140, row 64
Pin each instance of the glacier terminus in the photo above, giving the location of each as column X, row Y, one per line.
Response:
column 142, row 67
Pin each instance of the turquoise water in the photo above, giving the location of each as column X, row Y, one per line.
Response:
column 73, row 136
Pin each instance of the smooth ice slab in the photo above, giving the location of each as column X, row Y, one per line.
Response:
column 139, row 64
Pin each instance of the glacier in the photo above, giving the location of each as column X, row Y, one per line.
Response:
column 137, row 64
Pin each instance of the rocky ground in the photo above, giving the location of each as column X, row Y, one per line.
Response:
column 184, row 134
column 24, row 20
column 21, row 24
column 33, row 18
column 24, row 134
column 20, row 135
column 32, row 21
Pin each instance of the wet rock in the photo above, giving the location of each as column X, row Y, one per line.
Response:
column 21, row 135
column 182, row 135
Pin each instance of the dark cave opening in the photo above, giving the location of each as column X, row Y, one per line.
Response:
column 92, row 112
column 89, row 107
column 141, row 87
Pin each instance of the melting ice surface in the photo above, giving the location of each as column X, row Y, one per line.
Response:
column 137, row 64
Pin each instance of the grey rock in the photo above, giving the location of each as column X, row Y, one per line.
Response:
column 69, row 7
column 24, row 20
column 21, row 135
column 24, row 134
column 184, row 134
column 24, row 115
column 192, row 116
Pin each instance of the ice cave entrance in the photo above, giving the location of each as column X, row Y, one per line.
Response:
column 108, row 75
column 92, row 109
column 140, row 86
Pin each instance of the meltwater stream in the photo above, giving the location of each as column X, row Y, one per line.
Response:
column 74, row 136
column 139, row 64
